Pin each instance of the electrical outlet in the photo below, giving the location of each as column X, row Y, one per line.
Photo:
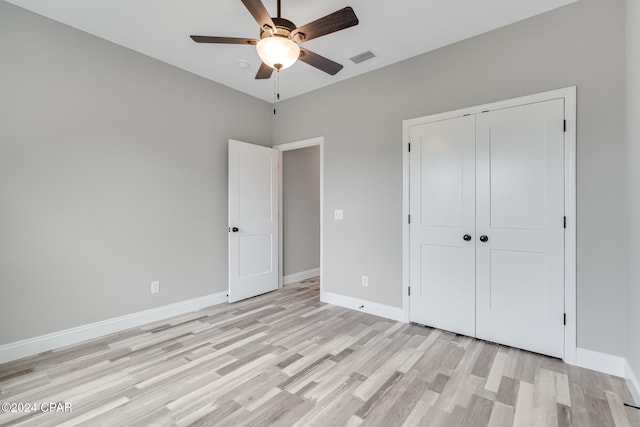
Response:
column 155, row 287
column 365, row 281
column 338, row 214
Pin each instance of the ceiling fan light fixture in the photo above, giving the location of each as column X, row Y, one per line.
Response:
column 278, row 52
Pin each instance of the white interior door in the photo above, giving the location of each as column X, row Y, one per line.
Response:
column 442, row 208
column 253, row 220
column 520, row 210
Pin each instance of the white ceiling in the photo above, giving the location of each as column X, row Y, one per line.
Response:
column 393, row 29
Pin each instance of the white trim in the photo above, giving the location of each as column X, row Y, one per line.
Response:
column 633, row 383
column 294, row 146
column 569, row 96
column 318, row 140
column 300, row 276
column 31, row 346
column 280, row 222
column 570, row 257
column 386, row 311
column 405, row 223
column 601, row 362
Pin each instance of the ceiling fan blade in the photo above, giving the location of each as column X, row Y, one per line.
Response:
column 339, row 20
column 259, row 13
column 318, row 61
column 264, row 72
column 225, row 40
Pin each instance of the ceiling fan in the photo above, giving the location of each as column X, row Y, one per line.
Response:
column 279, row 38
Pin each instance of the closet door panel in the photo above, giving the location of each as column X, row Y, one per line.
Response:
column 442, row 208
column 520, row 209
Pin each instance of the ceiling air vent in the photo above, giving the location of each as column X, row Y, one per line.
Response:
column 364, row 56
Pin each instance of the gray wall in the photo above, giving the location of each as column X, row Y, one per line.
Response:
column 112, row 174
column 633, row 159
column 361, row 119
column 301, row 209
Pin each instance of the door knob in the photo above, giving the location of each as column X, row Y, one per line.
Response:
column 484, row 238
column 466, row 237
column 235, row 229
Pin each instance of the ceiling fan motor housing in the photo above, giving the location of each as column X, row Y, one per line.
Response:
column 283, row 28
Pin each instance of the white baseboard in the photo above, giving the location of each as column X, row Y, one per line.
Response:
column 601, row 362
column 386, row 311
column 303, row 275
column 632, row 383
column 31, row 346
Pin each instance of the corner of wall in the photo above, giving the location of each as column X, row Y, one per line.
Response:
column 633, row 383
column 633, row 185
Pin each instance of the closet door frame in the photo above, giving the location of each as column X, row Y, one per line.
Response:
column 569, row 96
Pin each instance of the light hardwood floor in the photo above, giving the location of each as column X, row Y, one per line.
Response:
column 286, row 359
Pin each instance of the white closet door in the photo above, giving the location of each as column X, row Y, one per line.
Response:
column 442, row 194
column 520, row 209
column 253, row 220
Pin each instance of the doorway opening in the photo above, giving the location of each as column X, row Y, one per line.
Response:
column 301, row 207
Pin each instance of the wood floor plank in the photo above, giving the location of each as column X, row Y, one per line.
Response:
column 338, row 399
column 485, row 360
column 598, row 412
column 381, row 375
column 524, row 406
column 417, row 415
column 564, row 416
column 478, row 412
column 495, row 374
column 457, row 390
column 395, row 407
column 501, row 415
column 633, row 415
column 508, row 391
column 285, row 358
column 379, row 394
column 578, row 406
column 545, row 411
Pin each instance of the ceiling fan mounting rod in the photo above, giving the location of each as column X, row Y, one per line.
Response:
column 279, row 9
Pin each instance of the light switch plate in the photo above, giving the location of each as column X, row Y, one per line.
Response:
column 338, row 214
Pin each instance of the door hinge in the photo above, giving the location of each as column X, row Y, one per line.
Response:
column 409, row 147
column 409, row 218
column 565, row 222
column 409, row 291
column 564, row 321
column 565, row 126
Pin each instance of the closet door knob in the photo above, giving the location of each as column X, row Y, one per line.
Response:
column 484, row 238
column 466, row 237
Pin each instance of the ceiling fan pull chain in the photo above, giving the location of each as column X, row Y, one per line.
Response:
column 276, row 90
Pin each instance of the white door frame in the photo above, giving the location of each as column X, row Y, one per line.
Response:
column 294, row 146
column 569, row 96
